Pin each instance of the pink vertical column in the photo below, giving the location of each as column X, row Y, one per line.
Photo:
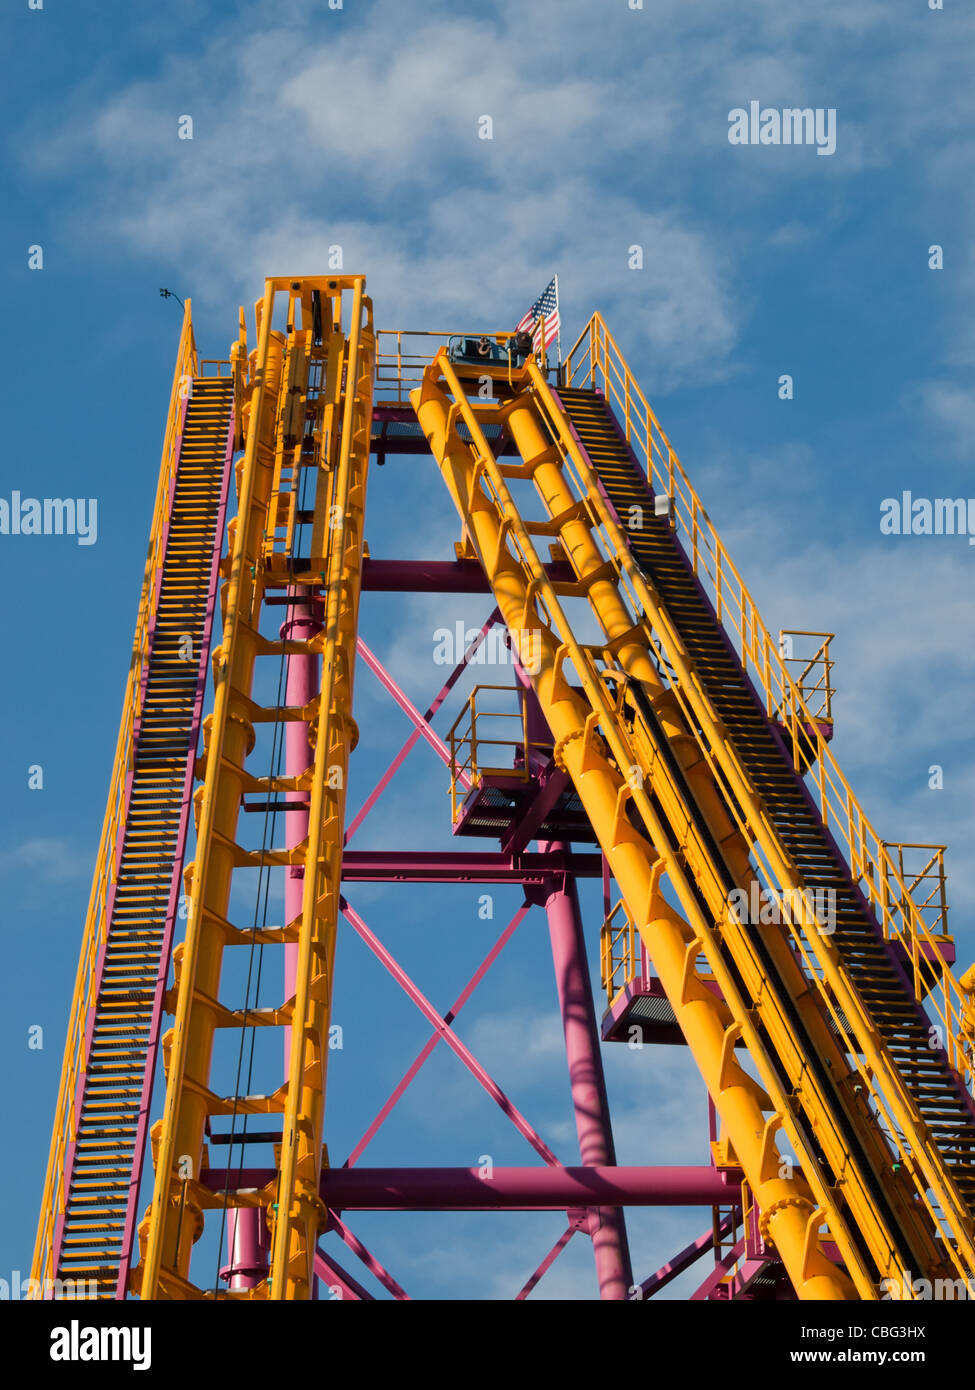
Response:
column 248, row 1239
column 586, row 1078
column 248, row 1248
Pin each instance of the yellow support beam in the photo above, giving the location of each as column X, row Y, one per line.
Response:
column 935, row 1207
column 518, row 581
column 171, row 1228
column 888, row 1203
column 300, row 1211
column 291, row 379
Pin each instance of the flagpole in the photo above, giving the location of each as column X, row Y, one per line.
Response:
column 559, row 330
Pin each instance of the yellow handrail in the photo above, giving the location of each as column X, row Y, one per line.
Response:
column 96, row 920
column 402, row 354
column 464, row 741
column 596, row 360
column 617, row 952
column 814, row 676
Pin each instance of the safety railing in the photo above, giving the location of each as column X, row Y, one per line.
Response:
column 477, row 729
column 106, row 862
column 617, row 951
column 596, row 361
column 806, row 656
column 921, row 868
column 622, row 957
column 403, row 354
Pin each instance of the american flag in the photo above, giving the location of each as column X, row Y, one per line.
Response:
column 545, row 311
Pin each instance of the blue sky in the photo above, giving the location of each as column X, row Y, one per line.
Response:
column 357, row 127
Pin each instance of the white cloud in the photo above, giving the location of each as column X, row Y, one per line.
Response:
column 953, row 408
column 368, row 140
column 313, row 130
column 46, row 860
column 521, row 1043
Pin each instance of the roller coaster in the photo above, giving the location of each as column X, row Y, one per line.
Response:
column 653, row 737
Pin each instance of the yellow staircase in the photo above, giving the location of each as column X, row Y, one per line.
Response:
column 100, row 1133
